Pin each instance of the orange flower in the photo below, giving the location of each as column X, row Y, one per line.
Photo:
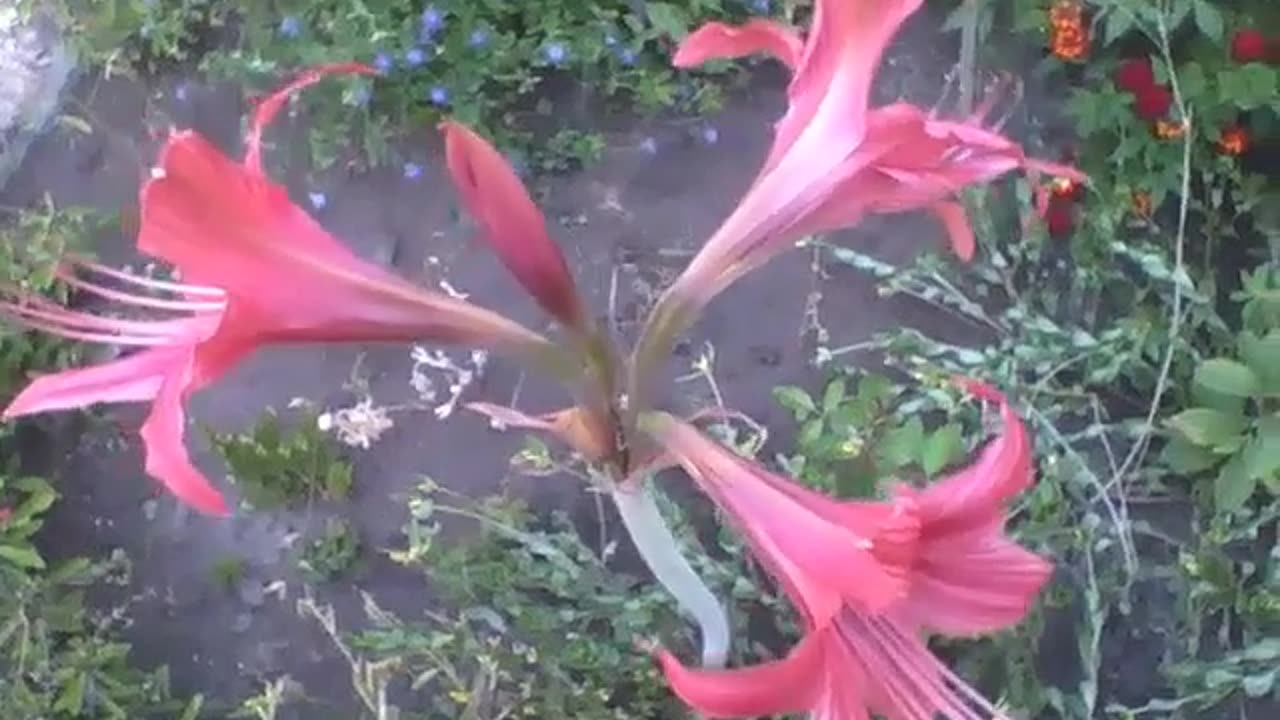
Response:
column 1065, row 187
column 1169, row 129
column 1068, row 34
column 1070, row 42
column 1141, row 202
column 1233, row 141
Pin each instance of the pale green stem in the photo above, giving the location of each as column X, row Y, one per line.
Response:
column 661, row 552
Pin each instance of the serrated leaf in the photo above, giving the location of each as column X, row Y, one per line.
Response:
column 944, row 445
column 23, row 557
column 1228, row 377
column 1233, row 486
column 1207, row 427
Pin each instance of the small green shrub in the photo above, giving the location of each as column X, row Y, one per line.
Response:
column 332, row 554
column 275, row 467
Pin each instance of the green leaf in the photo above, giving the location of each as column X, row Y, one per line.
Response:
column 668, row 19
column 943, row 446
column 1209, row 20
column 796, row 400
column 1184, row 458
column 71, row 699
column 192, row 711
column 1262, row 452
column 1228, row 377
column 23, row 557
column 1259, row 685
column 901, row 445
column 1262, row 355
column 1207, row 427
column 1234, row 486
column 833, row 396
column 1192, row 80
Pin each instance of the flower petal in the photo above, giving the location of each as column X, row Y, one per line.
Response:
column 134, row 378
column 831, row 91
column 953, row 217
column 226, row 227
column 800, row 545
column 976, row 495
column 977, row 583
column 968, row 576
column 718, row 41
column 790, row 685
column 167, row 459
column 511, row 222
column 265, row 112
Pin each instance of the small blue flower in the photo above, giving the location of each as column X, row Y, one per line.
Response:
column 555, row 53
column 182, row 92
column 290, row 26
column 760, row 6
column 479, row 38
column 415, row 57
column 383, row 63
column 439, row 95
column 710, row 135
column 412, row 171
column 627, row 56
column 318, row 200
column 432, row 19
column 649, row 146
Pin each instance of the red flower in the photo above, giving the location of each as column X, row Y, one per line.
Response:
column 1135, row 75
column 1059, row 218
column 1248, row 46
column 257, row 270
column 1153, row 103
column 939, row 555
column 512, row 223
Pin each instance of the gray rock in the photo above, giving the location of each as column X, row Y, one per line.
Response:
column 36, row 65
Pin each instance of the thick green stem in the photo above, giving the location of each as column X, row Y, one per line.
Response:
column 661, row 552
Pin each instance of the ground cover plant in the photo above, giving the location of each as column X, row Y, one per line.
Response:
column 1132, row 321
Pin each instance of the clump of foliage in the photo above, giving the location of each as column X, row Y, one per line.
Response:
column 331, row 554
column 31, row 242
column 493, row 65
column 275, row 466
column 57, row 659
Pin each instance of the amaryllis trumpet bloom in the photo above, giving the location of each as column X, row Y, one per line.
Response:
column 943, row 560
column 511, row 223
column 834, row 159
column 256, row 269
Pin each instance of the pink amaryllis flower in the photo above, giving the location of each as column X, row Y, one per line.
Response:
column 834, row 159
column 511, row 223
column 952, row 570
column 256, row 269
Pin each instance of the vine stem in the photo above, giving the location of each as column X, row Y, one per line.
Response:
column 1138, row 452
column 660, row 550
